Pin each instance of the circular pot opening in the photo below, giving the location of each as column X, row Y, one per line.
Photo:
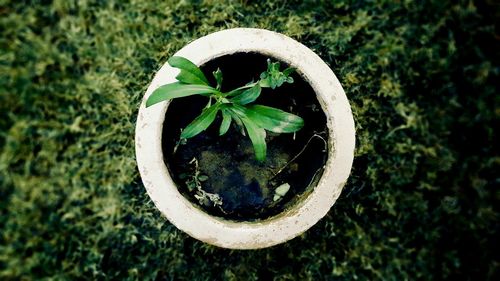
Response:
column 226, row 166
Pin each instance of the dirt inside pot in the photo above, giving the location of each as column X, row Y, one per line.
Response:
column 236, row 186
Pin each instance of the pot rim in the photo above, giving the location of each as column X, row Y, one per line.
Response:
column 302, row 215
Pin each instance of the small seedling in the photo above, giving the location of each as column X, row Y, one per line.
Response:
column 194, row 184
column 235, row 105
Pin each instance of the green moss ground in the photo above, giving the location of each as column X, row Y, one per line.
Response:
column 423, row 199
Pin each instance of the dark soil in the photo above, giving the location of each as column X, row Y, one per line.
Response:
column 245, row 186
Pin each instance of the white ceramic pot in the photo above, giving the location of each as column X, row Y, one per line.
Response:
column 292, row 222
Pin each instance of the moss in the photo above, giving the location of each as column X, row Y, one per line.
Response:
column 422, row 201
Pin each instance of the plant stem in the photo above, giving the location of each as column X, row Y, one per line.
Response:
column 230, row 93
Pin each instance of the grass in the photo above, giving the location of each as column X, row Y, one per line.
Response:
column 422, row 201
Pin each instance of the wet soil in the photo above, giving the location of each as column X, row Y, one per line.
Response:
column 225, row 167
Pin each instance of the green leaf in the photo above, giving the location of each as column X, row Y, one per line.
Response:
column 288, row 71
column 239, row 90
column 236, row 119
column 189, row 78
column 272, row 66
column 273, row 77
column 264, row 83
column 190, row 73
column 247, row 96
column 258, row 137
column 202, row 178
column 201, row 122
column 218, row 78
column 178, row 90
column 277, row 81
column 273, row 119
column 226, row 122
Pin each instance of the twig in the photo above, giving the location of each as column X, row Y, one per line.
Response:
column 298, row 154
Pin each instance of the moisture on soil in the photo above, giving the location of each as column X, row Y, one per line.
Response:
column 243, row 183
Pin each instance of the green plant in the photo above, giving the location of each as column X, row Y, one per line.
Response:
column 235, row 105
